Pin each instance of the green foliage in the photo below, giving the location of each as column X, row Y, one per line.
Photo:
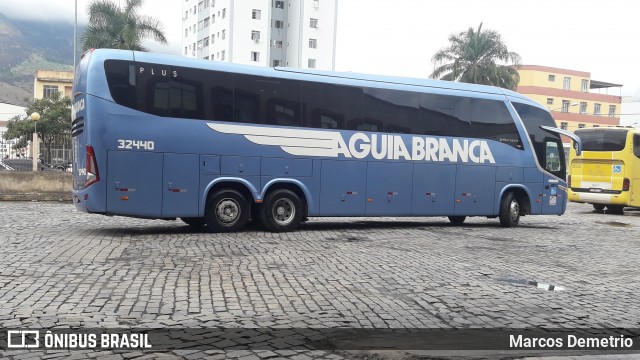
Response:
column 477, row 57
column 114, row 27
column 55, row 121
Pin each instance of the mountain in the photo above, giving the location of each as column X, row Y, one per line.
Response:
column 28, row 45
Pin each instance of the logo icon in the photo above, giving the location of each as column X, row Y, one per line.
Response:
column 617, row 168
column 23, row 339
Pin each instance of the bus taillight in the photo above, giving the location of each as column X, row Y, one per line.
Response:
column 626, row 184
column 93, row 176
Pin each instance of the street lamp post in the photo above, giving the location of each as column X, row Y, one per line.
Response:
column 36, row 144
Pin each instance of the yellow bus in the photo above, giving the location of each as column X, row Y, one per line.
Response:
column 607, row 173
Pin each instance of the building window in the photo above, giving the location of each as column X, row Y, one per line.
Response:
column 311, row 63
column 565, row 105
column 585, row 85
column 567, row 83
column 275, row 63
column 185, row 50
column 552, row 78
column 583, row 107
column 549, row 101
column 49, row 91
column 313, row 23
column 255, row 14
column 564, row 125
column 255, row 35
column 186, row 32
column 596, row 125
column 313, row 43
column 224, row 13
column 596, row 109
column 205, row 23
column 222, row 55
column 612, row 110
column 580, row 126
column 213, row 18
column 206, row 57
column 255, row 56
column 277, row 44
column 200, row 5
column 199, row 44
column 224, row 34
column 278, row 24
column 213, row 3
column 279, row 4
column 205, row 42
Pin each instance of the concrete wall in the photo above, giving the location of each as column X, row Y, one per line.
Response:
column 42, row 185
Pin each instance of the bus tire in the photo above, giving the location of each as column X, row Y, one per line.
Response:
column 194, row 221
column 598, row 207
column 457, row 220
column 615, row 209
column 281, row 211
column 227, row 211
column 509, row 210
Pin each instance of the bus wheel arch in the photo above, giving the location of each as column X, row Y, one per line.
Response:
column 515, row 202
column 228, row 206
column 283, row 208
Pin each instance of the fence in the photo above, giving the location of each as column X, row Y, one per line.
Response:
column 16, row 154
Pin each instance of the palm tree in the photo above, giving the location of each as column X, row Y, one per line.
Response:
column 477, row 57
column 111, row 26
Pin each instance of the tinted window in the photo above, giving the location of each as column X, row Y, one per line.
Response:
column 329, row 106
column 267, row 100
column 532, row 118
column 636, row 145
column 490, row 119
column 390, row 111
column 602, row 140
column 186, row 92
column 444, row 115
column 219, row 104
column 121, row 81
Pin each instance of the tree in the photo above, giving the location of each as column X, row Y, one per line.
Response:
column 477, row 57
column 114, row 27
column 54, row 123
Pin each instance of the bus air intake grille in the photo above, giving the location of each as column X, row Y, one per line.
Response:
column 77, row 127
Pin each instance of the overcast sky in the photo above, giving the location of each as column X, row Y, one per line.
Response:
column 399, row 37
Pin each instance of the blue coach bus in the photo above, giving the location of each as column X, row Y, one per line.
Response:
column 218, row 144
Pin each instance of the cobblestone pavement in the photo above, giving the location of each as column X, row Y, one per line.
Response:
column 61, row 268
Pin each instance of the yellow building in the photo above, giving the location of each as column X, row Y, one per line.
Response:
column 48, row 82
column 575, row 100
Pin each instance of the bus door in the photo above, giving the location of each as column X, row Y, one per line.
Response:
column 134, row 183
column 180, row 181
column 554, row 199
column 475, row 190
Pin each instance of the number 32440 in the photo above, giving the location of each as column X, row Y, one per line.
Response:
column 136, row 144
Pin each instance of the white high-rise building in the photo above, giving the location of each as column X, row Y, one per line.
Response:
column 293, row 33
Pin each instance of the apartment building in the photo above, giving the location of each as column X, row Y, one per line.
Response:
column 575, row 100
column 48, row 82
column 297, row 33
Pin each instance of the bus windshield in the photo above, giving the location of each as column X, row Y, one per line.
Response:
column 600, row 140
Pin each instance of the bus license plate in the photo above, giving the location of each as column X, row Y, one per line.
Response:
column 552, row 200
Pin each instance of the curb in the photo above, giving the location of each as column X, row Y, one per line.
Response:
column 61, row 197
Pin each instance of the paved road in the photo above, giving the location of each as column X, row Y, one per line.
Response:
column 61, row 268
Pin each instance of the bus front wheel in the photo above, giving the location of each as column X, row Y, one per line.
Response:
column 509, row 210
column 227, row 211
column 281, row 211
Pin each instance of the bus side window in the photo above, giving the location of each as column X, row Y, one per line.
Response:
column 390, row 110
column 331, row 106
column 490, row 119
column 444, row 115
column 553, row 156
column 636, row 145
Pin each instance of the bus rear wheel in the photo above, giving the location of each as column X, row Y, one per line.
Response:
column 509, row 210
column 281, row 211
column 227, row 211
column 615, row 209
column 598, row 207
column 457, row 220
